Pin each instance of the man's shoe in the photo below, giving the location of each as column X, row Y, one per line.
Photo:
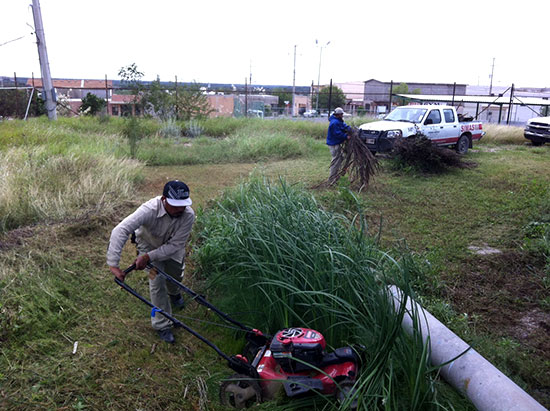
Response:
column 177, row 301
column 166, row 335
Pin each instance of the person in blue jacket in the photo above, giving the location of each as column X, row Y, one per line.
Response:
column 336, row 135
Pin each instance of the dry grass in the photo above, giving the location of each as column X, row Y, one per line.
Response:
column 36, row 185
column 502, row 134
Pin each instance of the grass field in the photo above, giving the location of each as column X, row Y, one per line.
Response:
column 55, row 288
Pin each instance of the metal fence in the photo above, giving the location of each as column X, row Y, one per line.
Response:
column 20, row 98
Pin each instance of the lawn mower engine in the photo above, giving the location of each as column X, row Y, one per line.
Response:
column 293, row 358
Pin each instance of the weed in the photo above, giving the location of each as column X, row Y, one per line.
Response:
column 193, row 129
column 170, row 129
column 134, row 133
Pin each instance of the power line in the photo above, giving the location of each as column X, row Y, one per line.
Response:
column 18, row 38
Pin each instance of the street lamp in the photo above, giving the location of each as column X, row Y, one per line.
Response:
column 319, row 74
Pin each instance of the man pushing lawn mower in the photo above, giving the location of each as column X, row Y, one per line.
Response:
column 162, row 226
column 295, row 358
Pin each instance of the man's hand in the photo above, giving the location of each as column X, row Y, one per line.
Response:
column 141, row 261
column 118, row 273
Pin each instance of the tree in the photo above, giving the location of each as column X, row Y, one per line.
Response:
column 131, row 79
column 337, row 99
column 157, row 101
column 403, row 88
column 92, row 104
column 13, row 103
column 192, row 103
column 284, row 94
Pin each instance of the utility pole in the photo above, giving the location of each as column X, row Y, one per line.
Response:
column 319, row 74
column 294, row 85
column 47, row 85
column 492, row 71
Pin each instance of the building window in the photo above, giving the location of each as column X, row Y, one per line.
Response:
column 126, row 110
column 114, row 110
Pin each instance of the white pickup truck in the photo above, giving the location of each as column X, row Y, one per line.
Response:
column 441, row 124
column 538, row 130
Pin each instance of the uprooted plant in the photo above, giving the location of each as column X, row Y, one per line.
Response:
column 356, row 160
column 419, row 153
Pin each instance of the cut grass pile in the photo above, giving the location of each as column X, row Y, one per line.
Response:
column 419, row 154
column 278, row 259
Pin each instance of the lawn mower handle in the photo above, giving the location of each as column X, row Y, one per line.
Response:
column 131, row 268
column 234, row 362
column 252, row 334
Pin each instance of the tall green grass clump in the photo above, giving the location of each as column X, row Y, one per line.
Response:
column 36, row 185
column 279, row 260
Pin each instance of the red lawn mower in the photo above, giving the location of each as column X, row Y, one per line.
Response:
column 295, row 358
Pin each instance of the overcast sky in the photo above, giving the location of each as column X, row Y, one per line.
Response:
column 226, row 41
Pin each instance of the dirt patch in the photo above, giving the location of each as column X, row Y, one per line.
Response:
column 505, row 291
column 484, row 249
column 15, row 238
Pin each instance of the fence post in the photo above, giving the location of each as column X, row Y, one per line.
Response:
column 391, row 93
column 107, row 95
column 36, row 100
column 329, row 98
column 312, row 94
column 16, row 96
column 245, row 97
column 454, row 91
column 176, row 85
column 510, row 105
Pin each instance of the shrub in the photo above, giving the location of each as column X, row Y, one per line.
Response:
column 92, row 105
column 169, row 128
column 193, row 129
column 133, row 131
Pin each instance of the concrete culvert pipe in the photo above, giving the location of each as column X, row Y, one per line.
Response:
column 479, row 380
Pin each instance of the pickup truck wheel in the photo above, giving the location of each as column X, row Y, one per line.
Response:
column 537, row 143
column 462, row 144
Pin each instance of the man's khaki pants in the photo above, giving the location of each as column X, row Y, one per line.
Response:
column 336, row 153
column 160, row 289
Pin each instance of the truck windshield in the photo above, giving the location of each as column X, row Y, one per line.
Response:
column 411, row 114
